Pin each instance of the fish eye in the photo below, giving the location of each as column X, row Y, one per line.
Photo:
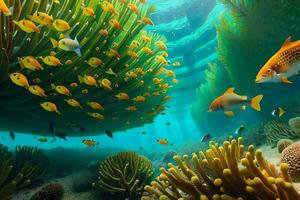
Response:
column 14, row 74
column 38, row 14
column 269, row 70
column 33, row 87
column 64, row 43
column 18, row 78
column 23, row 23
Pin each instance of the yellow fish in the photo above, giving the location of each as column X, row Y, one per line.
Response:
column 131, row 108
column 51, row 61
column 87, row 11
column 95, row 62
column 132, row 75
column 19, row 79
column 109, row 7
column 84, row 91
column 134, row 8
column 42, row 139
column 113, row 53
column 29, row 62
column 50, row 107
column 139, row 99
column 146, row 39
column 56, row 2
column 88, row 80
column 106, row 84
column 74, row 85
column 41, row 18
column 115, row 24
column 162, row 60
column 103, row 32
column 61, row 89
column 61, row 25
column 122, row 96
column 140, row 71
column 95, row 105
column 3, row 8
column 134, row 44
column 147, row 50
column 171, row 73
column 148, row 21
column 97, row 116
column 27, row 26
column 37, row 81
column 162, row 45
column 37, row 90
column 176, row 64
column 175, row 81
column 157, row 81
column 73, row 103
column 133, row 55
column 160, row 71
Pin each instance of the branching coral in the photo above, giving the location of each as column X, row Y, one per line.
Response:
column 237, row 174
column 124, row 175
column 277, row 130
column 120, row 69
column 16, row 173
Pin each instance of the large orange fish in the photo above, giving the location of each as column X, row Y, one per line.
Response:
column 282, row 65
column 230, row 99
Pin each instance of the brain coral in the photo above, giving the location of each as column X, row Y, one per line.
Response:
column 52, row 191
column 93, row 61
column 291, row 156
column 283, row 143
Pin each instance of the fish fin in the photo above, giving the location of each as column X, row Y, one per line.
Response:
column 10, row 11
column 21, row 63
column 229, row 113
column 287, row 42
column 54, row 43
column 244, row 97
column 243, row 107
column 281, row 112
column 255, row 102
column 80, row 78
column 285, row 80
column 229, row 90
column 78, row 52
column 52, row 86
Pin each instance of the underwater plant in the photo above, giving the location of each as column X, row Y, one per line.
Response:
column 84, row 66
column 124, row 175
column 52, row 191
column 235, row 174
column 283, row 143
column 21, row 170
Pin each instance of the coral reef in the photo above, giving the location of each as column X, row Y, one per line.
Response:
column 124, row 175
column 283, row 143
column 276, row 131
column 26, row 167
column 118, row 69
column 291, row 156
column 236, row 174
column 52, row 191
column 295, row 124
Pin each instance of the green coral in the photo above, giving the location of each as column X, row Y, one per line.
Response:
column 124, row 175
column 234, row 174
column 16, row 172
column 24, row 107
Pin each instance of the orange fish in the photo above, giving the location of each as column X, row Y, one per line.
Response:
column 230, row 99
column 90, row 143
column 162, row 141
column 282, row 65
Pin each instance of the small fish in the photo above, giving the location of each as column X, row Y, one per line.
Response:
column 176, row 64
column 278, row 112
column 206, row 138
column 37, row 81
column 147, row 50
column 106, row 84
column 134, row 8
column 41, row 18
column 50, row 107
column 103, row 32
column 95, row 62
column 109, row 133
column 133, row 55
column 42, row 139
column 147, row 20
column 134, row 44
column 143, row 132
column 19, row 79
column 162, row 141
column 230, row 99
column 115, row 24
column 88, row 80
column 12, row 135
column 61, row 25
column 122, row 96
column 84, row 91
column 51, row 60
column 95, row 105
column 89, row 12
column 139, row 99
column 3, row 8
column 162, row 45
column 37, row 90
column 27, row 26
column 238, row 132
column 73, row 103
column 139, row 71
column 29, row 62
column 61, row 89
column 74, row 85
column 282, row 65
column 111, row 72
column 170, row 73
column 97, row 116
column 131, row 108
column 168, row 123
column 67, row 44
column 68, row 62
column 146, row 39
column 113, row 53
column 90, row 143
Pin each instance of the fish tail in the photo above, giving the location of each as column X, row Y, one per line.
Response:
column 281, row 112
column 80, row 78
column 54, row 43
column 9, row 13
column 52, row 86
column 255, row 102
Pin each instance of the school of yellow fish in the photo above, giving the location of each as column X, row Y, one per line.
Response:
column 77, row 67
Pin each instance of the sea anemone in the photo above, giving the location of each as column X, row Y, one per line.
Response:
column 52, row 191
column 291, row 156
column 75, row 53
column 124, row 175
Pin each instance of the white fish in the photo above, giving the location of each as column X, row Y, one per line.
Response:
column 67, row 44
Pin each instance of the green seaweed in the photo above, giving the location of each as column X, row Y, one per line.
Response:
column 20, row 105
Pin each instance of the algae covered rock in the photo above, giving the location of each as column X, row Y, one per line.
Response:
column 84, row 67
column 124, row 175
